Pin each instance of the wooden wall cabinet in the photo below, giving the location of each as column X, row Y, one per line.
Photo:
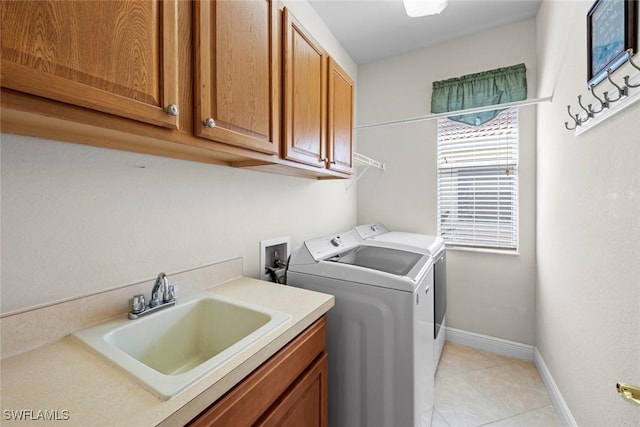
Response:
column 290, row 389
column 318, row 103
column 202, row 81
column 340, row 119
column 305, row 95
column 117, row 57
column 237, row 73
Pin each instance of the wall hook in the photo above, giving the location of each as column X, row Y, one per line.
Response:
column 603, row 104
column 576, row 119
column 592, row 114
column 633, row 64
column 629, row 56
column 622, row 92
column 589, row 111
column 627, row 84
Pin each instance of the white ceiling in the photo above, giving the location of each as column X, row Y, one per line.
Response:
column 374, row 29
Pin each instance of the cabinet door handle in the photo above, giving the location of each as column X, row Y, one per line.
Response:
column 210, row 123
column 172, row 110
column 629, row 393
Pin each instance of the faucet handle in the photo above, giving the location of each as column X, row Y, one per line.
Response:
column 170, row 295
column 155, row 300
column 138, row 304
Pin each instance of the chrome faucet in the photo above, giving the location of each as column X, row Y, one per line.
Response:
column 168, row 299
column 162, row 283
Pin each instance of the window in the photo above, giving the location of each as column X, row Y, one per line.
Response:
column 478, row 182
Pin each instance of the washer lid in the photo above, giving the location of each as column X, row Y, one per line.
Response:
column 392, row 261
column 413, row 241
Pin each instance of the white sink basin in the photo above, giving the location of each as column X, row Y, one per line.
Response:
column 169, row 350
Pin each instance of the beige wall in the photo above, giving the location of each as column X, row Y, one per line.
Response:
column 315, row 25
column 588, row 227
column 77, row 220
column 487, row 293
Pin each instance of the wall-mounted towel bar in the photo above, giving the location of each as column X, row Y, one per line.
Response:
column 458, row 112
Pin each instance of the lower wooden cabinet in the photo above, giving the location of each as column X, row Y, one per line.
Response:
column 290, row 389
column 305, row 404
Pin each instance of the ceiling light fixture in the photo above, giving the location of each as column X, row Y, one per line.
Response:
column 416, row 8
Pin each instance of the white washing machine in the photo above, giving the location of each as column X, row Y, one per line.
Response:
column 432, row 245
column 379, row 333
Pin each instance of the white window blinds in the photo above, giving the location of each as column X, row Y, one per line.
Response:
column 478, row 182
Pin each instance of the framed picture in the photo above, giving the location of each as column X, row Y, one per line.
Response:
column 612, row 28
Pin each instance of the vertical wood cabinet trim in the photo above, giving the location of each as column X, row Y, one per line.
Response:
column 29, row 80
column 276, row 78
column 170, row 92
column 335, row 71
column 202, row 71
column 291, row 152
column 206, row 80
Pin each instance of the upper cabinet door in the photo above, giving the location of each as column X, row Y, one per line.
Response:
column 340, row 120
column 305, row 76
column 117, row 57
column 237, row 73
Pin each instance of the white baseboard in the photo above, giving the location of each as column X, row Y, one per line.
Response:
column 521, row 351
column 554, row 392
column 492, row 344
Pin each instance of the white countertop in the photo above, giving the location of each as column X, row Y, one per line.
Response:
column 66, row 381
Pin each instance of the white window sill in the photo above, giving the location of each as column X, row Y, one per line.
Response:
column 483, row 250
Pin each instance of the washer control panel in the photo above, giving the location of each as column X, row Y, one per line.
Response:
column 326, row 247
column 366, row 231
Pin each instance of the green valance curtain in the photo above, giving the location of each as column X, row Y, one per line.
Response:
column 491, row 87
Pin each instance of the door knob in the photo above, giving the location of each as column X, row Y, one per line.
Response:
column 172, row 110
column 629, row 393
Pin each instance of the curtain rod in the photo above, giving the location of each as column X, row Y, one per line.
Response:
column 452, row 113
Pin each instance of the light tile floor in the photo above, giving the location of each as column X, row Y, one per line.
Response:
column 478, row 388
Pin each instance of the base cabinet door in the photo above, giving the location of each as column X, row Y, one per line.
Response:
column 117, row 57
column 305, row 404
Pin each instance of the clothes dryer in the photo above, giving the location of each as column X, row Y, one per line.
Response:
column 379, row 333
column 378, row 234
